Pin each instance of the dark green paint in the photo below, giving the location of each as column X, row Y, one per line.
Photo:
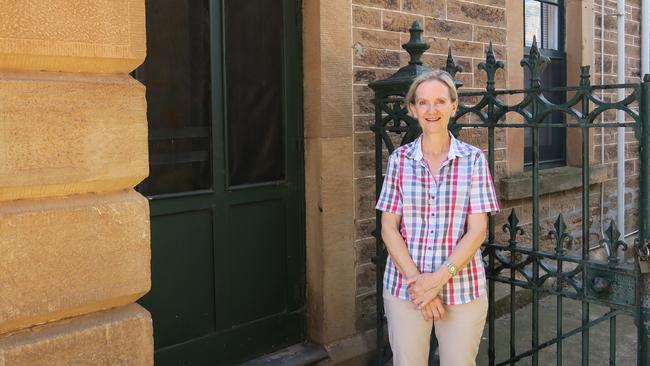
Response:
column 610, row 283
column 228, row 264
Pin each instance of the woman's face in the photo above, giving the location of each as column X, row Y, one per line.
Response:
column 433, row 106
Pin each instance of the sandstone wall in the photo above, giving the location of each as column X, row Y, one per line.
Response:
column 73, row 144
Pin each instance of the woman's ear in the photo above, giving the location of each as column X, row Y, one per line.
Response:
column 454, row 107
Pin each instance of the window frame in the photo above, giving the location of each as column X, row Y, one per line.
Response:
column 555, row 55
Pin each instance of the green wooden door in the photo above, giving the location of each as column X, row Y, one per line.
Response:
column 226, row 189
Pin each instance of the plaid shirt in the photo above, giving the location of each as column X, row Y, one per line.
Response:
column 434, row 209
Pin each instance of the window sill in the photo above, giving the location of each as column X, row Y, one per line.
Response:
column 550, row 181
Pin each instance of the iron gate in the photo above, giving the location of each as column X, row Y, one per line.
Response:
column 614, row 283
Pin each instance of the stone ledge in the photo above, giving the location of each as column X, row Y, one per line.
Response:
column 70, row 256
column 550, row 181
column 357, row 350
column 121, row 336
column 302, row 354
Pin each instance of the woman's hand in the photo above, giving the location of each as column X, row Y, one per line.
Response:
column 422, row 284
column 434, row 310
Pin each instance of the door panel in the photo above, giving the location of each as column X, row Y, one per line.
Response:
column 226, row 190
column 257, row 252
column 185, row 306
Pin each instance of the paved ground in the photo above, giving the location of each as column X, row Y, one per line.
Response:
column 571, row 352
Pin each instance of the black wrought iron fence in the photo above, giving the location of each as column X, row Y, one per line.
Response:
column 613, row 283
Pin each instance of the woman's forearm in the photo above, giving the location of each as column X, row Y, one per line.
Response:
column 398, row 251
column 466, row 248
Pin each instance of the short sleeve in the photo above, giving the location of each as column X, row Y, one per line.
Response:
column 390, row 198
column 482, row 197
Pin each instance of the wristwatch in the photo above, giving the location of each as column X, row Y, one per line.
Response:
column 451, row 268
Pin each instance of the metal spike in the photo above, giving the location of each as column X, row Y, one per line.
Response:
column 513, row 228
column 613, row 241
column 490, row 66
column 560, row 225
column 452, row 68
column 560, row 235
column 535, row 63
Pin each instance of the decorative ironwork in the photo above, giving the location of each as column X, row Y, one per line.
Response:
column 561, row 271
column 490, row 66
column 612, row 242
column 452, row 68
column 512, row 227
column 535, row 63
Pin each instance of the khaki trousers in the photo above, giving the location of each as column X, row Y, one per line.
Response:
column 458, row 332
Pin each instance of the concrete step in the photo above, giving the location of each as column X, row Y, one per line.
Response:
column 302, row 354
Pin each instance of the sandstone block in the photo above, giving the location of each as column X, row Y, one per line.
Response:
column 475, row 13
column 365, row 198
column 366, row 278
column 438, row 46
column 103, row 36
column 364, row 228
column 363, row 100
column 399, row 22
column 367, row 75
column 448, row 29
column 365, row 250
column 376, row 58
column 366, row 17
column 486, row 34
column 430, row 8
column 366, row 311
column 364, row 142
column 68, row 256
column 468, row 49
column 62, row 134
column 121, row 336
column 377, row 39
column 384, row 4
column 499, row 3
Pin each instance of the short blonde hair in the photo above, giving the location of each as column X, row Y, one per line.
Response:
column 440, row 75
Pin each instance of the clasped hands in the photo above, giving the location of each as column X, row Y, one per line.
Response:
column 423, row 290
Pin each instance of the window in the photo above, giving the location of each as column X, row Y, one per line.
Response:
column 545, row 21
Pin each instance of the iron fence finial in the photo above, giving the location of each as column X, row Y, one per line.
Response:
column 535, row 63
column 415, row 46
column 613, row 241
column 452, row 68
column 490, row 66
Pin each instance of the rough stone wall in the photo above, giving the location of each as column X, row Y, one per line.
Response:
column 379, row 29
column 74, row 235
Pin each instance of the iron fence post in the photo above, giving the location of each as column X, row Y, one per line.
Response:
column 643, row 357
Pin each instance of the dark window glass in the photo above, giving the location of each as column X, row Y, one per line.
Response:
column 254, row 113
column 544, row 21
column 177, row 76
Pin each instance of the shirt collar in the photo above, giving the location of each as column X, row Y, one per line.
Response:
column 456, row 149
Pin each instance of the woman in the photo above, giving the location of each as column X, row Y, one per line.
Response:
column 435, row 199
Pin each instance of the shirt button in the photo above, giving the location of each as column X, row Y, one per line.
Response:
column 431, row 231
